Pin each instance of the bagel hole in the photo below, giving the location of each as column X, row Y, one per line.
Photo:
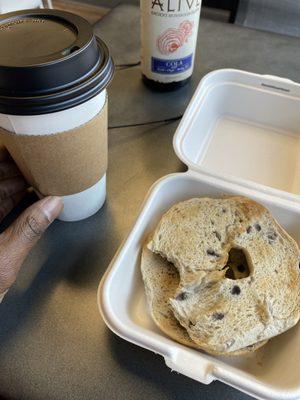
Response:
column 237, row 265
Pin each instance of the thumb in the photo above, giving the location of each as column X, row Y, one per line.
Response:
column 22, row 235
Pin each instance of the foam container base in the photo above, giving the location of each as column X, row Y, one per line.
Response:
column 239, row 135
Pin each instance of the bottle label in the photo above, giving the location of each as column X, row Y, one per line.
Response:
column 179, row 65
column 169, row 36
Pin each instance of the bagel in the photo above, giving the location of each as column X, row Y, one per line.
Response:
column 161, row 281
column 238, row 273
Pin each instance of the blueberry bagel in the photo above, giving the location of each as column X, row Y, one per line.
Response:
column 161, row 281
column 238, row 281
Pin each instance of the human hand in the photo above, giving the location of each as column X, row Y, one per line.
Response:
column 12, row 184
column 17, row 240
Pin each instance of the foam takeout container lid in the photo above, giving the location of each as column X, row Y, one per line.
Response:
column 244, row 128
column 239, row 135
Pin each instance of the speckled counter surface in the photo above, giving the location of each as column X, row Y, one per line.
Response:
column 53, row 343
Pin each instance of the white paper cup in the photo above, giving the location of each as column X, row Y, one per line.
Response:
column 79, row 205
column 52, row 80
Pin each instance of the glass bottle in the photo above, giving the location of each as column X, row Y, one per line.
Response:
column 169, row 31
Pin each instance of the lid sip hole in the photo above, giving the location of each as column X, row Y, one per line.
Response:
column 74, row 48
column 70, row 50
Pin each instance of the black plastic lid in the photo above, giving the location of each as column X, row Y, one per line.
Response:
column 50, row 60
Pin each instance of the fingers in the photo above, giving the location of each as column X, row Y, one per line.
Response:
column 8, row 169
column 28, row 228
column 22, row 235
column 11, row 192
column 9, row 203
column 4, row 154
column 11, row 186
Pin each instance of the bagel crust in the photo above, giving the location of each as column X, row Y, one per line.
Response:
column 226, row 312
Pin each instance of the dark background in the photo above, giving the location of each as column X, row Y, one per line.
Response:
column 230, row 5
column 280, row 16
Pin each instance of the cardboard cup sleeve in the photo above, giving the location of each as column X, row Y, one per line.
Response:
column 62, row 163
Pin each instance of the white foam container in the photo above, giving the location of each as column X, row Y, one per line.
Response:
column 80, row 205
column 240, row 135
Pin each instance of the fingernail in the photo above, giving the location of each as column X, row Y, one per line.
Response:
column 52, row 207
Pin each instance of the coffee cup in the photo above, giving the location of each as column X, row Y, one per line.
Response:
column 53, row 106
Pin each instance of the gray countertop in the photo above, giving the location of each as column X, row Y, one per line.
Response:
column 53, row 343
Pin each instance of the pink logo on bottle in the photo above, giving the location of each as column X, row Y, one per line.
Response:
column 173, row 38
